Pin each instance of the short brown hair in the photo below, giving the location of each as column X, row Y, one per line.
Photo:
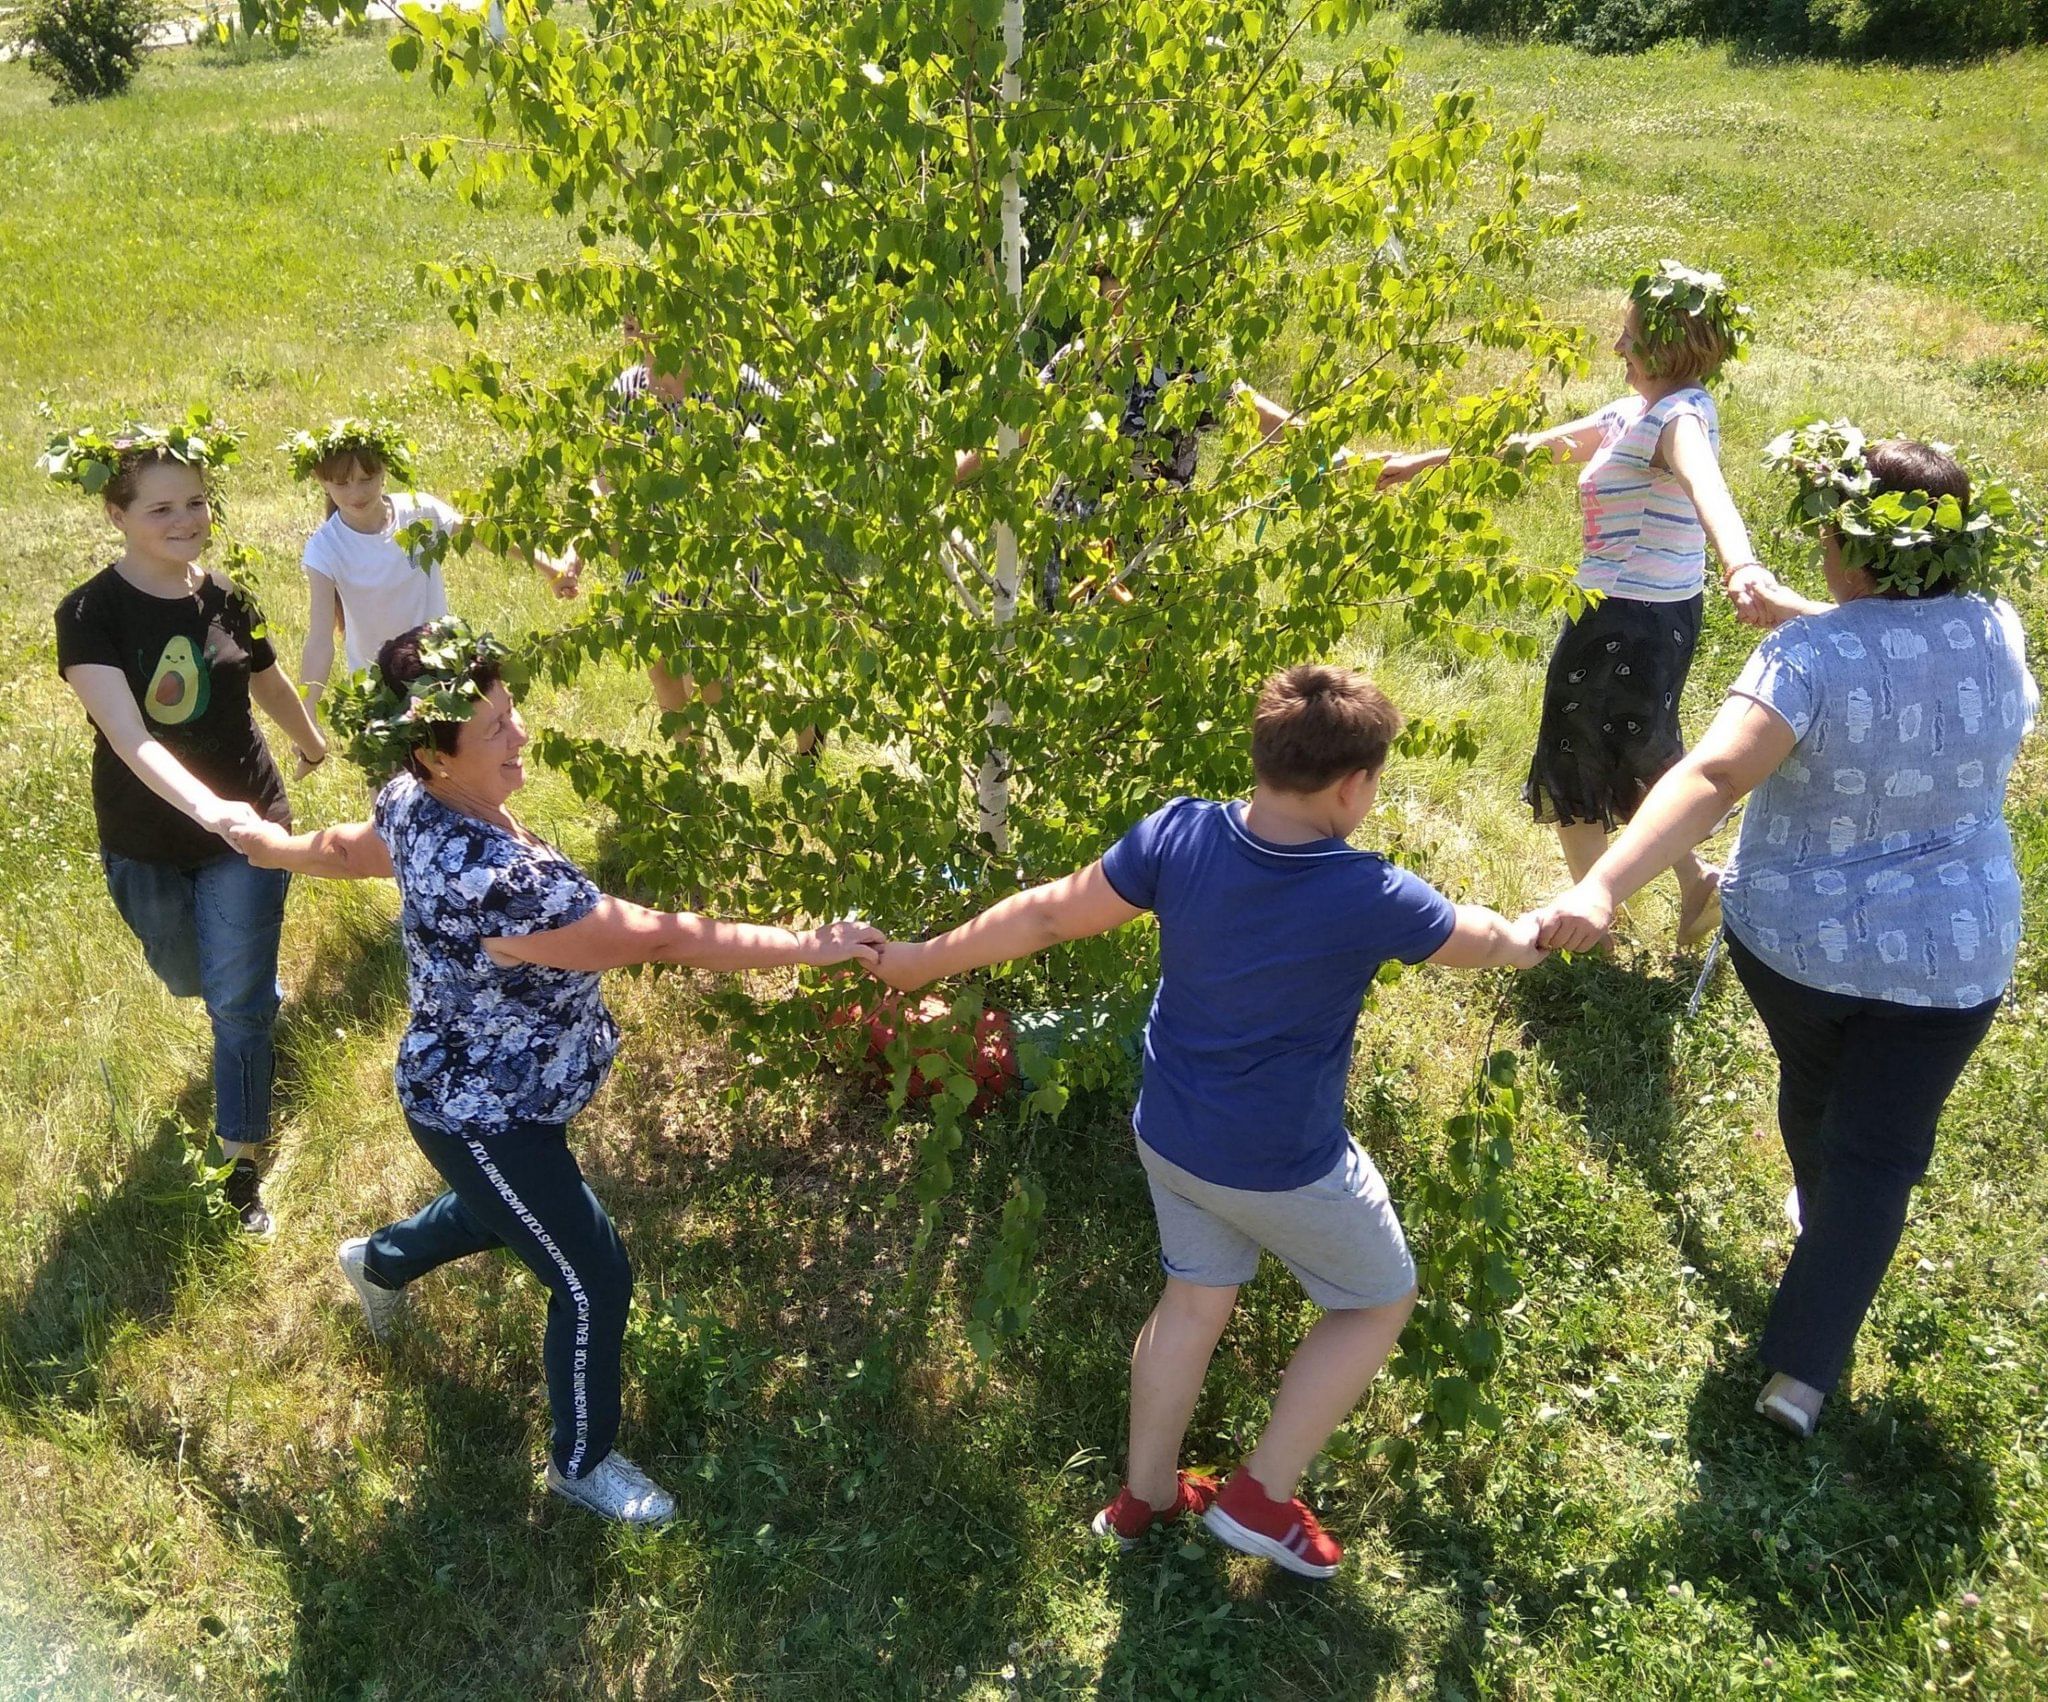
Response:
column 1316, row 724
column 1906, row 464
column 1694, row 356
column 131, row 464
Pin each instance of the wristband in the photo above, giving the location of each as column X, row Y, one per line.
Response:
column 313, row 761
column 1741, row 567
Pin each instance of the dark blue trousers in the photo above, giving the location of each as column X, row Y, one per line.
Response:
column 523, row 1190
column 1861, row 1084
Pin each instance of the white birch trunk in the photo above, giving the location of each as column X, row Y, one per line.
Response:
column 992, row 785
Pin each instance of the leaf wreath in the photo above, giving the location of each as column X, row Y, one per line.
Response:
column 1669, row 298
column 383, row 439
column 1908, row 540
column 88, row 458
column 381, row 727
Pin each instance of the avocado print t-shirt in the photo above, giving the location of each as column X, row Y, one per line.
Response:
column 188, row 660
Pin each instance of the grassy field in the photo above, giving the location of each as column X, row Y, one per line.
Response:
column 212, row 1486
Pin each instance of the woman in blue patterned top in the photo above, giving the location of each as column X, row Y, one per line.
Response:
column 504, row 942
column 1872, row 905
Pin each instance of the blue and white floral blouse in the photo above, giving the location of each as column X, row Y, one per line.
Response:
column 488, row 1046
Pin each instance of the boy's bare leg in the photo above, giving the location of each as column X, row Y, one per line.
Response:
column 1168, row 1362
column 1329, row 1371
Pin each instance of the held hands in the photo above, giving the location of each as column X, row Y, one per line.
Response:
column 1753, row 589
column 264, row 843
column 1525, row 947
column 902, row 966
column 564, row 573
column 1399, row 469
column 224, row 815
column 841, row 942
column 1575, row 920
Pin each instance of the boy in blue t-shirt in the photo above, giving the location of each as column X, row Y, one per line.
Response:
column 1271, row 929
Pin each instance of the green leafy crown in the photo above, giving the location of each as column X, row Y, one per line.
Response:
column 1669, row 297
column 385, row 439
column 1908, row 540
column 88, row 457
column 381, row 727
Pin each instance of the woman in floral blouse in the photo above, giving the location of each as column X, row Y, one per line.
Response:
column 509, row 1038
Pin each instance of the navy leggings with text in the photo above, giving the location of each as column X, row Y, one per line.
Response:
column 522, row 1189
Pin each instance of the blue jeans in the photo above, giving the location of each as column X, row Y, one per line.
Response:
column 211, row 933
column 523, row 1190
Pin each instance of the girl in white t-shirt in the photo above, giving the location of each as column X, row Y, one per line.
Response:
column 362, row 580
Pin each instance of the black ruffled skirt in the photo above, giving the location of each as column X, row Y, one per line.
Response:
column 1610, row 710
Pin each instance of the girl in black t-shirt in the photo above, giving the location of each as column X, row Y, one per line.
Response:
column 167, row 658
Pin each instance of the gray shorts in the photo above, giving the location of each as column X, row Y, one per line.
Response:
column 1338, row 1235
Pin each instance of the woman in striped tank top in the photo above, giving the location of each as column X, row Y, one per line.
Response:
column 1653, row 498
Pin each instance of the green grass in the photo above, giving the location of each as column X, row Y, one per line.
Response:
column 210, row 1485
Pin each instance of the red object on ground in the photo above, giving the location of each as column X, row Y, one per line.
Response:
column 1127, row 1518
column 994, row 1061
column 1284, row 1532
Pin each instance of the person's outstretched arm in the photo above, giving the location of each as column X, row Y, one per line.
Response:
column 278, row 698
column 617, row 933
column 1485, row 939
column 611, row 935
column 1686, row 449
column 1575, row 440
column 316, row 655
column 103, row 690
column 1072, row 908
column 350, row 852
column 1742, row 747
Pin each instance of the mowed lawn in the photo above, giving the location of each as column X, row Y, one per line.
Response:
column 212, row 1485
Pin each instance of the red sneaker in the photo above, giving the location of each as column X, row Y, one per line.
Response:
column 1284, row 1532
column 1127, row 1518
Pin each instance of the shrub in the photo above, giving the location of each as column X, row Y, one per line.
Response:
column 1598, row 26
column 1862, row 29
column 1922, row 29
column 89, row 48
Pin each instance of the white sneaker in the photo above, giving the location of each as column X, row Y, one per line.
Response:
column 382, row 1307
column 615, row 1488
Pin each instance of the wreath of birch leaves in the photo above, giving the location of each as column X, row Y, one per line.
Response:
column 381, row 727
column 381, row 439
column 1907, row 540
column 1668, row 297
column 87, row 457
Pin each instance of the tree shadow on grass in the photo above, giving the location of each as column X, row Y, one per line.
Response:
column 124, row 1246
column 1881, row 1511
column 427, row 1561
column 1880, row 1514
column 864, row 1509
column 1608, row 1033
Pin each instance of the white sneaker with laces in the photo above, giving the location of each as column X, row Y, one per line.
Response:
column 615, row 1488
column 382, row 1307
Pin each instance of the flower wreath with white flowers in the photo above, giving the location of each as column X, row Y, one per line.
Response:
column 1668, row 297
column 380, row 728
column 1907, row 540
column 382, row 439
column 88, row 458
